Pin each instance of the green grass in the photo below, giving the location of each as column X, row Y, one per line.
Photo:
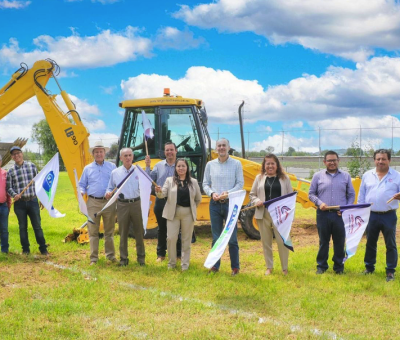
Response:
column 63, row 298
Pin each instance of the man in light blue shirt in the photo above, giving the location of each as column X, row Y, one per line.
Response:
column 221, row 176
column 377, row 187
column 128, row 207
column 93, row 182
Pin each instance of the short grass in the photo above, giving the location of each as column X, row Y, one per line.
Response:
column 63, row 298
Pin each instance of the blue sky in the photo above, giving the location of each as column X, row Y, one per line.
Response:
column 298, row 65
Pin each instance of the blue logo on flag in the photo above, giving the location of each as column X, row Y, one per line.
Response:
column 48, row 183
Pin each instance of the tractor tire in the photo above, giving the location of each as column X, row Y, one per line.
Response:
column 150, row 233
column 248, row 223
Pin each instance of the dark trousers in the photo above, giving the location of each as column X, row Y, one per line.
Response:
column 162, row 230
column 23, row 209
column 4, row 227
column 387, row 224
column 218, row 215
column 329, row 223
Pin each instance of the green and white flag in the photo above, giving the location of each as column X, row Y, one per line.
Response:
column 235, row 205
column 46, row 184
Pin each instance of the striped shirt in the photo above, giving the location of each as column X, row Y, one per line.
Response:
column 18, row 177
column 223, row 176
column 161, row 171
column 335, row 189
column 95, row 177
column 378, row 192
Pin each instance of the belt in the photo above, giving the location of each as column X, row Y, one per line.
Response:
column 25, row 199
column 383, row 212
column 226, row 200
column 97, row 198
column 330, row 210
column 129, row 201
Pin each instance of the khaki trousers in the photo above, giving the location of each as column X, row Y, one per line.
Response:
column 183, row 220
column 267, row 230
column 130, row 213
column 108, row 215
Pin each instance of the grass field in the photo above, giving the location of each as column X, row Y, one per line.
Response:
column 61, row 297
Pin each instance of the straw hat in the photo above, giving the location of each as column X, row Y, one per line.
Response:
column 99, row 145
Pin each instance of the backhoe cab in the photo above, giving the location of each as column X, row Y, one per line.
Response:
column 182, row 121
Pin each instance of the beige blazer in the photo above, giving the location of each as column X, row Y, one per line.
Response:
column 257, row 193
column 170, row 190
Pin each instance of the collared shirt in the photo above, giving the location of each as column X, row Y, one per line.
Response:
column 223, row 176
column 161, row 171
column 95, row 178
column 331, row 189
column 18, row 177
column 131, row 188
column 378, row 192
column 3, row 186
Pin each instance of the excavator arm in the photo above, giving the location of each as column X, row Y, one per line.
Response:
column 70, row 134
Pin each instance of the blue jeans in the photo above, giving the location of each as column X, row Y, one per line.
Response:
column 329, row 223
column 4, row 227
column 23, row 209
column 218, row 216
column 387, row 224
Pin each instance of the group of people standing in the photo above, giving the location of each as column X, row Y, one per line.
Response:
column 332, row 187
column 178, row 196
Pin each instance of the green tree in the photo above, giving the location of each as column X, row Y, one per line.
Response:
column 290, row 151
column 112, row 153
column 41, row 134
column 358, row 165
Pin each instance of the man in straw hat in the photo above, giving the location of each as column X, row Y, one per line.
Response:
column 94, row 183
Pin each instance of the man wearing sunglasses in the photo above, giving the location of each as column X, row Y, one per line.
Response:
column 331, row 187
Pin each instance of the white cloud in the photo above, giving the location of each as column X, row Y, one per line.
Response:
column 106, row 2
column 14, row 4
column 106, row 138
column 293, row 125
column 351, row 29
column 108, row 89
column 263, row 128
column 371, row 90
column 288, row 140
column 105, row 49
column 19, row 123
column 172, row 38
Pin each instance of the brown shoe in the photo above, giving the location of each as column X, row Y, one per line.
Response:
column 160, row 258
column 213, row 270
column 93, row 263
column 268, row 271
column 235, row 271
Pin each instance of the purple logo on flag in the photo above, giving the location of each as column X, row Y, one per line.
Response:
column 355, row 223
column 282, row 213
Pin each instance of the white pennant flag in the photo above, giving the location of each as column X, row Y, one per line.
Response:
column 81, row 202
column 355, row 218
column 282, row 211
column 235, row 205
column 116, row 193
column 46, row 185
column 145, row 192
column 147, row 128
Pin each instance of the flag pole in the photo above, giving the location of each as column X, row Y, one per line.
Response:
column 334, row 207
column 30, row 183
column 248, row 208
column 390, row 200
column 145, row 143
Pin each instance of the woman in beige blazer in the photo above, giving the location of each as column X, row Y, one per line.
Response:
column 272, row 182
column 180, row 211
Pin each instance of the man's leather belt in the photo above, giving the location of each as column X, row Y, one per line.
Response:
column 383, row 212
column 226, row 200
column 330, row 210
column 97, row 198
column 129, row 201
column 26, row 199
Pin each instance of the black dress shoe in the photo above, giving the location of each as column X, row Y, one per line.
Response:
column 389, row 277
column 367, row 272
column 26, row 252
column 339, row 272
column 320, row 271
column 123, row 263
column 142, row 264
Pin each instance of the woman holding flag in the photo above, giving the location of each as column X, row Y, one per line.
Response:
column 271, row 183
column 180, row 211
